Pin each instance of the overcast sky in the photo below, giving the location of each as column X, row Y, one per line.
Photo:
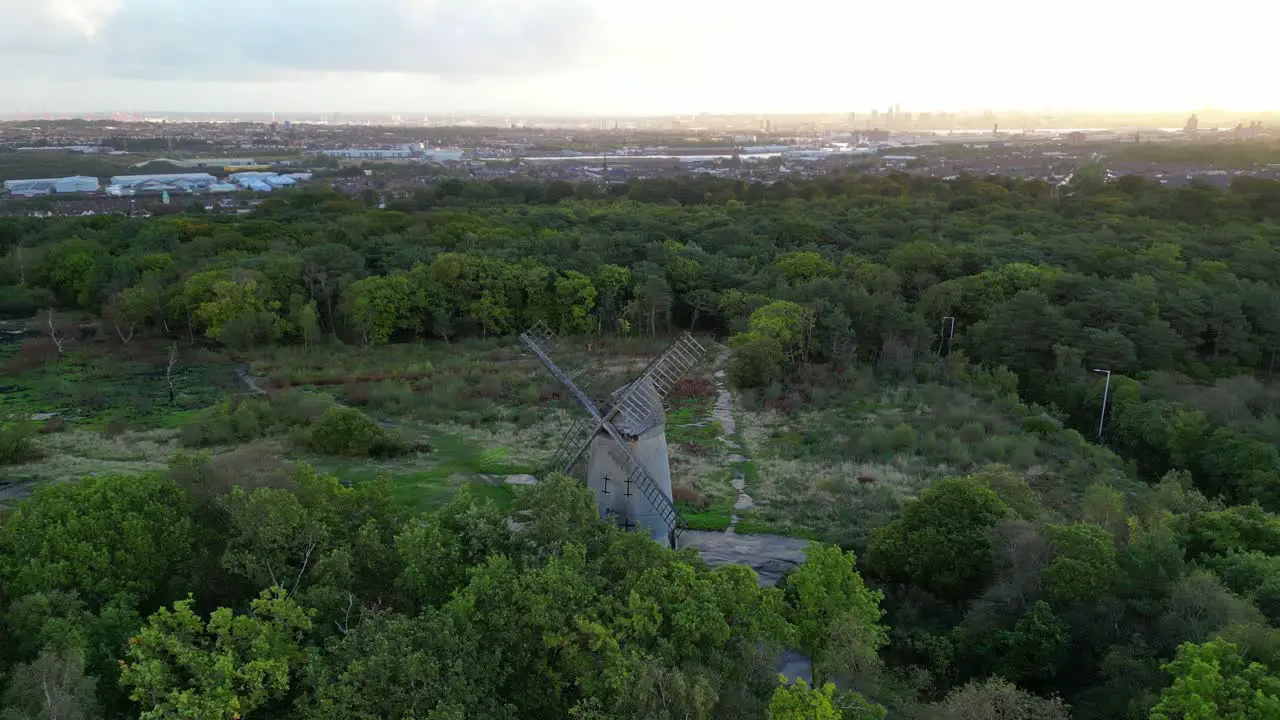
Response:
column 634, row 56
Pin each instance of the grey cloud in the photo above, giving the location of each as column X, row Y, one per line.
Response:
column 268, row 39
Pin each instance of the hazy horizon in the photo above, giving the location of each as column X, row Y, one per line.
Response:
column 626, row 58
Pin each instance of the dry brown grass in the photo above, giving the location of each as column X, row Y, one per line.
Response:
column 78, row 453
column 686, row 494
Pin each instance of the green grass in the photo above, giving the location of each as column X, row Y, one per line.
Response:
column 761, row 527
column 96, row 385
column 427, row 482
column 687, row 423
column 715, row 521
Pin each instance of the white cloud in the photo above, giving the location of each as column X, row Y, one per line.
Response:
column 86, row 17
column 629, row 56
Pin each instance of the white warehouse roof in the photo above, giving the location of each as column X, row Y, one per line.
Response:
column 44, row 186
column 194, row 178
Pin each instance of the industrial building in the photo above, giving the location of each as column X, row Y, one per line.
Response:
column 404, row 151
column 50, row 186
column 262, row 181
column 180, row 182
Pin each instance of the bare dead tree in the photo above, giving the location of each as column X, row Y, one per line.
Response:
column 55, row 334
column 168, row 371
column 305, row 561
column 344, row 627
column 118, row 321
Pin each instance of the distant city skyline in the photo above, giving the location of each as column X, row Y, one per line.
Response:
column 630, row 58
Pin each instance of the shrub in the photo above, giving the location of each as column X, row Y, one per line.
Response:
column 694, row 387
column 903, row 438
column 16, row 444
column 686, row 494
column 1039, row 424
column 115, row 428
column 347, row 431
column 293, row 409
column 972, row 432
column 234, row 421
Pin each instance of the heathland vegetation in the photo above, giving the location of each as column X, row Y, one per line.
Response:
column 1033, row 429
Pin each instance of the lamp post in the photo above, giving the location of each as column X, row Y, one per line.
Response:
column 1106, row 390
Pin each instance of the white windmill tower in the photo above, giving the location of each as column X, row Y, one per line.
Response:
column 622, row 448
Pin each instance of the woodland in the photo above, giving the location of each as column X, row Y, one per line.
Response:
column 1032, row 431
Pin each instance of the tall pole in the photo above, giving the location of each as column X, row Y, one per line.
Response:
column 948, row 332
column 1106, row 390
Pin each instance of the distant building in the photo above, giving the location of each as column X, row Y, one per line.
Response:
column 1076, row 138
column 441, row 155
column 188, row 178
column 403, row 151
column 50, row 186
column 201, row 162
column 177, row 182
column 262, row 181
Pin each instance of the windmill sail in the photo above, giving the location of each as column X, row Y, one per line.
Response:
column 633, row 419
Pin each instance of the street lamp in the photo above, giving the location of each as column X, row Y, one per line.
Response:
column 1106, row 389
column 948, row 335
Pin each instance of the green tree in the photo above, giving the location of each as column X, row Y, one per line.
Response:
column 789, row 324
column 1035, row 647
column 941, row 541
column 221, row 302
column 798, row 701
column 70, row 267
column 100, row 536
column 347, row 431
column 757, row 361
column 306, row 318
column 837, row 618
column 1083, row 566
column 798, row 267
column 380, row 305
column 51, row 687
column 180, row 666
column 576, row 298
column 1213, row 681
column 610, row 282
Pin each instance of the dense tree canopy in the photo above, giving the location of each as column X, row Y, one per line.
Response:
column 178, row 595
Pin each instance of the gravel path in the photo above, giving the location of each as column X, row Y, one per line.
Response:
column 242, row 372
column 723, row 414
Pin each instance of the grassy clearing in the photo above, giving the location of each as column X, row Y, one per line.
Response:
column 79, row 453
column 840, row 458
column 100, row 385
column 475, row 383
column 486, row 408
column 425, row 482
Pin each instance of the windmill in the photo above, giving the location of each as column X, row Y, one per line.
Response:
column 621, row 443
